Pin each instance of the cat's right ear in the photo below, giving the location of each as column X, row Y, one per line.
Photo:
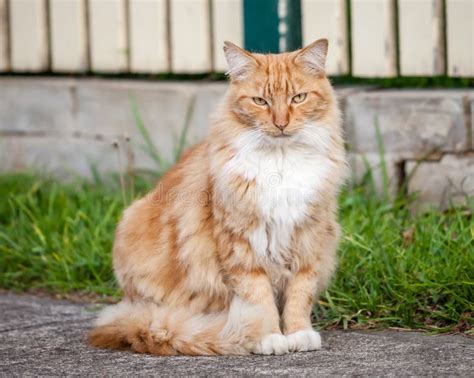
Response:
column 240, row 62
column 313, row 56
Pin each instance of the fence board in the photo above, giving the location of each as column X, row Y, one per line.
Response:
column 328, row 19
column 228, row 24
column 190, row 36
column 148, row 36
column 421, row 37
column 28, row 35
column 68, row 35
column 373, row 38
column 460, row 37
column 4, row 49
column 108, row 35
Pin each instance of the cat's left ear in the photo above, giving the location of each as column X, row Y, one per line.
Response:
column 313, row 56
column 241, row 62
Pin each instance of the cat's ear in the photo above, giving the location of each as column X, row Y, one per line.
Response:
column 240, row 62
column 313, row 56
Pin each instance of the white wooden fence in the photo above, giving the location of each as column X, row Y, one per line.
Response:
column 425, row 38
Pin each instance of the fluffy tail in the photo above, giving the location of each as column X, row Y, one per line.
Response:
column 161, row 330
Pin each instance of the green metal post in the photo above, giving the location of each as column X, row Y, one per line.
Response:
column 272, row 26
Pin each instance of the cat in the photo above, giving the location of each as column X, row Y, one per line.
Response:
column 227, row 253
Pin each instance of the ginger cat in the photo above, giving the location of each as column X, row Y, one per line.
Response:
column 227, row 253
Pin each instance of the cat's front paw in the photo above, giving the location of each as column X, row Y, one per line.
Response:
column 302, row 341
column 273, row 343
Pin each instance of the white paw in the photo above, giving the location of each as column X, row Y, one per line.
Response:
column 274, row 343
column 302, row 341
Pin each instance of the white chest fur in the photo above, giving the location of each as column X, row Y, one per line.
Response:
column 287, row 180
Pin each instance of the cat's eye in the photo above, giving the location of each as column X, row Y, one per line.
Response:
column 298, row 98
column 259, row 101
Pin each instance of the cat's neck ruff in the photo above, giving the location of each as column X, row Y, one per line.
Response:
column 288, row 175
column 313, row 137
column 257, row 154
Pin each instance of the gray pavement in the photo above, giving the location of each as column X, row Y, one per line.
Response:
column 42, row 336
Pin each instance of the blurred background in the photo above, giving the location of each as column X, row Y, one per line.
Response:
column 98, row 68
column 369, row 38
column 98, row 98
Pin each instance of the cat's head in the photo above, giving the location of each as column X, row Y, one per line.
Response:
column 279, row 94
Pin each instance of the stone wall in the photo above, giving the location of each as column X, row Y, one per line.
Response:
column 67, row 126
column 426, row 136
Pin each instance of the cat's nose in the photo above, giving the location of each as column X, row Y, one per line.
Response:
column 281, row 125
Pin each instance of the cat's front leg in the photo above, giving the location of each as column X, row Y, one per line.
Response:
column 254, row 288
column 297, row 327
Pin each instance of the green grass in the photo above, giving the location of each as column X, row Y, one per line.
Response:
column 396, row 269
column 401, row 270
column 56, row 237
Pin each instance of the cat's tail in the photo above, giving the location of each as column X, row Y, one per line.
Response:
column 161, row 330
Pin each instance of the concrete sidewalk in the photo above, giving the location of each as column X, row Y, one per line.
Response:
column 40, row 336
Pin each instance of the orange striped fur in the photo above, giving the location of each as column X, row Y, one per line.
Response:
column 227, row 253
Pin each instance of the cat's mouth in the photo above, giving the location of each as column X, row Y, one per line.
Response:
column 282, row 135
